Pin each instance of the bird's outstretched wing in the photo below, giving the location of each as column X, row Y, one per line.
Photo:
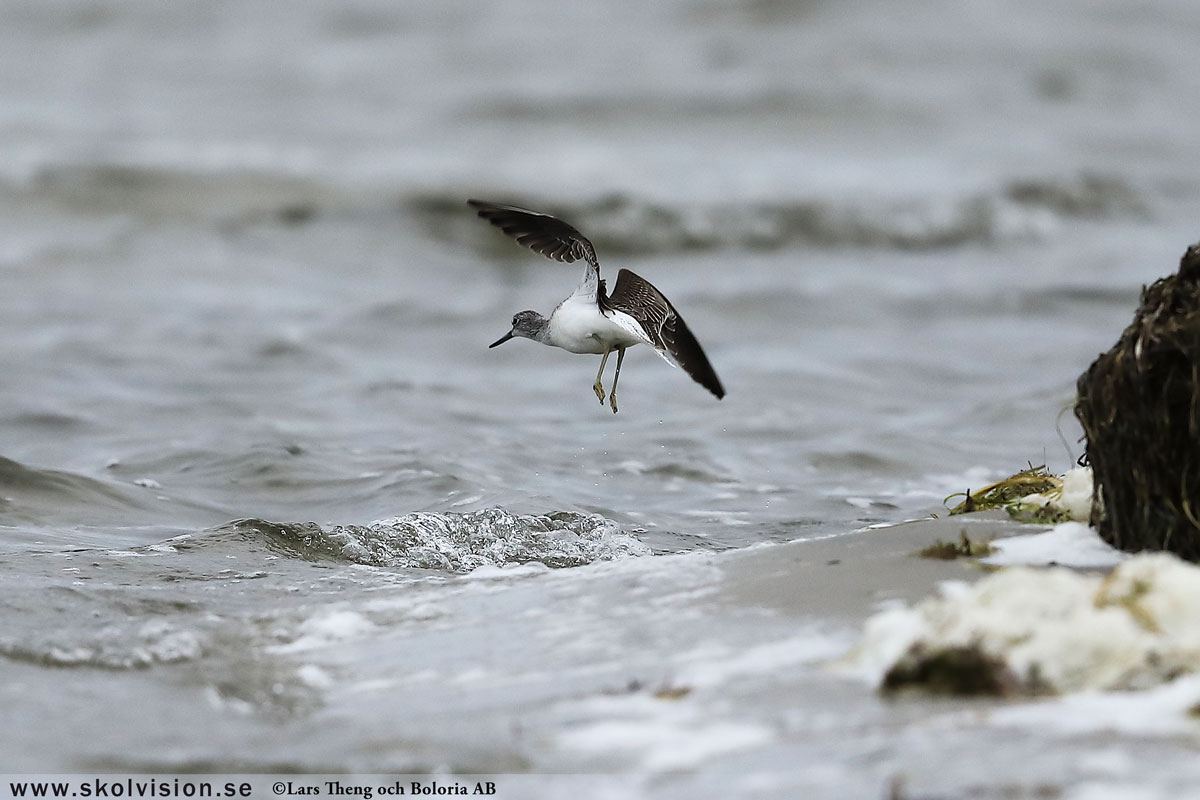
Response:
column 666, row 330
column 540, row 232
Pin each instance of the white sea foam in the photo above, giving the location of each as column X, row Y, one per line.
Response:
column 1071, row 544
column 657, row 734
column 463, row 542
column 314, row 676
column 764, row 659
column 326, row 628
column 1160, row 711
column 1054, row 628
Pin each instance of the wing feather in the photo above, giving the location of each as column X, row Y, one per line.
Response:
column 540, row 232
column 663, row 326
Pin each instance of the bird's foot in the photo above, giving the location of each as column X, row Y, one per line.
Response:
column 612, row 401
column 599, row 390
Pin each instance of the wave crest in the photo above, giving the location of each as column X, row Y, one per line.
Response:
column 459, row 543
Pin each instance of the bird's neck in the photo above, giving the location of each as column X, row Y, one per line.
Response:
column 542, row 332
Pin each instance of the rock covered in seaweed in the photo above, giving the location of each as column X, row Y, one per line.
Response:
column 1139, row 404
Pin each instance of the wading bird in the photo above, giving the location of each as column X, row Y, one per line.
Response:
column 591, row 320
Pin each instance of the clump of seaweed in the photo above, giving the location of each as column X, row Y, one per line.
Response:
column 956, row 670
column 1004, row 494
column 1035, row 496
column 963, row 548
column 1139, row 405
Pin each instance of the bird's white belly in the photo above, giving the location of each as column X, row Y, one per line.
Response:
column 578, row 327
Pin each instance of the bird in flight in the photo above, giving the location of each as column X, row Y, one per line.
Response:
column 592, row 320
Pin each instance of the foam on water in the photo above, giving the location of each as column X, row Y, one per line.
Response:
column 1165, row 710
column 453, row 542
column 462, row 542
column 120, row 645
column 655, row 735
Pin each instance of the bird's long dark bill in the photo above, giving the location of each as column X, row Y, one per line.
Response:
column 501, row 340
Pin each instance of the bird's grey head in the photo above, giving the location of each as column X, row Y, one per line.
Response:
column 526, row 324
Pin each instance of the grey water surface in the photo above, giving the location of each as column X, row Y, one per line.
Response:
column 251, row 431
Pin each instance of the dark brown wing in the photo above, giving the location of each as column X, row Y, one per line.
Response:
column 541, row 233
column 667, row 331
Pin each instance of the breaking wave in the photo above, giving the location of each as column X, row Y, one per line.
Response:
column 456, row 543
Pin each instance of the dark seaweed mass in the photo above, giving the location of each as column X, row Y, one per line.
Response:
column 1139, row 404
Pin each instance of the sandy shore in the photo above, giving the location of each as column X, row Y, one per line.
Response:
column 844, row 578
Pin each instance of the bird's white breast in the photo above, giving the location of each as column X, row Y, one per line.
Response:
column 578, row 327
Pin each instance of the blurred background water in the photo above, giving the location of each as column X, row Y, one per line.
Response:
column 242, row 299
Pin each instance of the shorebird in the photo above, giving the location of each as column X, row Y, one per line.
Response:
column 591, row 320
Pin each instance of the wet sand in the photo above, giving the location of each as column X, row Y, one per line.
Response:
column 846, row 578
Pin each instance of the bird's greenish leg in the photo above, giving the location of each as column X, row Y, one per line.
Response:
column 598, row 387
column 612, row 396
